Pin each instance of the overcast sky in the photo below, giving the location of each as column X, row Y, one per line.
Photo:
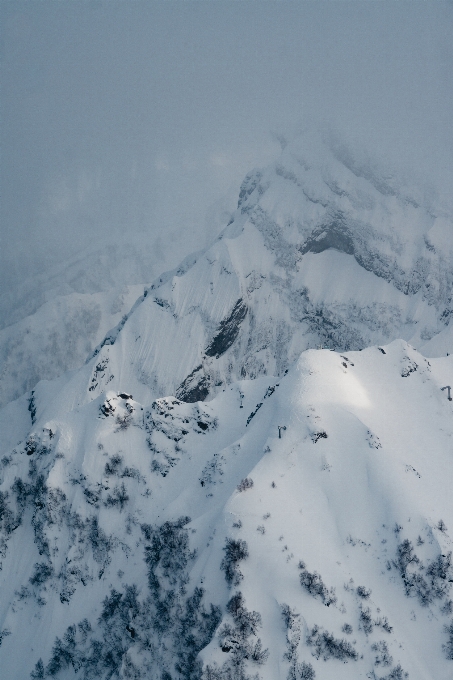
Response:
column 138, row 116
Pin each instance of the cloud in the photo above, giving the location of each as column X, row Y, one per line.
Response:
column 138, row 116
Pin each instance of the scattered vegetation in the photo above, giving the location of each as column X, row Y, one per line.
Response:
column 448, row 646
column 118, row 497
column 235, row 640
column 363, row 592
column 426, row 582
column 325, row 645
column 3, row 634
column 396, row 673
column 297, row 671
column 383, row 657
column 165, row 626
column 42, row 572
column 113, row 465
column 365, row 620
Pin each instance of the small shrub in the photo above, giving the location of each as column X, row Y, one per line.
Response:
column 347, row 628
column 118, row 497
column 113, row 465
column 123, row 420
column 366, row 622
column 235, row 551
column 363, row 592
column 235, row 639
column 328, row 647
column 427, row 582
column 3, row 634
column 38, row 673
column 382, row 622
column 245, row 484
column 442, row 526
column 41, row 574
column 23, row 594
column 447, row 608
column 406, row 556
column 448, row 646
column 314, row 585
column 305, row 671
column 383, row 657
column 396, row 673
column 316, row 436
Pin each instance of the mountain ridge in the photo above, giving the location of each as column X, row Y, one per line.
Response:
column 213, row 495
column 416, row 306
column 337, row 519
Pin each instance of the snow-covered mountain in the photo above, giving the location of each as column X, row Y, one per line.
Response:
column 323, row 250
column 287, row 514
column 293, row 527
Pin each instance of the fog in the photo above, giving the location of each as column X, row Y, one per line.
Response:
column 125, row 118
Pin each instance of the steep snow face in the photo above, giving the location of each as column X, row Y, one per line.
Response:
column 293, row 527
column 323, row 250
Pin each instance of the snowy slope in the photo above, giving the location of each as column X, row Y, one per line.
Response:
column 156, row 539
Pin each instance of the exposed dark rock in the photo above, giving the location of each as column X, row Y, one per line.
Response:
column 32, row 407
column 195, row 387
column 227, row 331
column 248, row 186
column 333, row 235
